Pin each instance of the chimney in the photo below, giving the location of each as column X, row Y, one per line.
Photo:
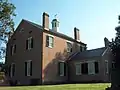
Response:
column 106, row 42
column 76, row 34
column 45, row 21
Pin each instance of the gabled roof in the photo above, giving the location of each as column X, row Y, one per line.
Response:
column 89, row 53
column 53, row 32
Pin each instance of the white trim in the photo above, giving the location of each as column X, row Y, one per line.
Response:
column 29, row 42
column 104, row 52
column 46, row 28
column 113, row 63
column 50, row 35
column 49, row 42
column 13, row 48
column 89, row 61
column 63, row 69
column 106, row 67
column 79, row 68
column 68, row 47
column 91, row 67
column 28, row 68
column 11, row 70
column 69, row 41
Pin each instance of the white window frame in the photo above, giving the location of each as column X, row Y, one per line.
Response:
column 113, row 63
column 11, row 70
column 49, row 44
column 106, row 66
column 13, row 48
column 69, row 50
column 91, row 67
column 29, row 42
column 28, row 67
column 79, row 68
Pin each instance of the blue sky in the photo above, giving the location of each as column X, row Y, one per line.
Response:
column 96, row 19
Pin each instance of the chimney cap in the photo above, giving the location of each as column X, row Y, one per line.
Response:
column 45, row 13
column 76, row 28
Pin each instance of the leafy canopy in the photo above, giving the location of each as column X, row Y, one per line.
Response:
column 7, row 13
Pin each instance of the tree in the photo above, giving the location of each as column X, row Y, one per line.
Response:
column 7, row 13
column 115, row 49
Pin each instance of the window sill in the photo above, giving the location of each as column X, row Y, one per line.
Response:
column 61, row 75
column 28, row 49
column 28, row 75
column 78, row 74
column 50, row 47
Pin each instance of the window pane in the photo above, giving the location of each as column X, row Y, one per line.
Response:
column 31, row 43
column 106, row 66
column 47, row 41
column 26, row 44
column 51, row 40
column 69, row 47
column 91, row 68
column 25, row 68
column 28, row 68
column 14, row 48
column 81, row 48
column 96, row 67
column 78, row 69
column 13, row 69
column 113, row 64
column 84, row 67
column 61, row 68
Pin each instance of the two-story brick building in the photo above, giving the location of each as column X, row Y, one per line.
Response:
column 37, row 54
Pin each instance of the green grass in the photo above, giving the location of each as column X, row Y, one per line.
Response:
column 60, row 87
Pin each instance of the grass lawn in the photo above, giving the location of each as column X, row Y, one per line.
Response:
column 101, row 86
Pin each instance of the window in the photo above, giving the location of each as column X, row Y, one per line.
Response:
column 81, row 48
column 78, row 69
column 49, row 41
column 106, row 66
column 69, row 47
column 96, row 67
column 29, row 43
column 113, row 64
column 12, row 70
column 13, row 49
column 62, row 68
column 84, row 67
column 91, row 68
column 55, row 24
column 28, row 68
column 22, row 30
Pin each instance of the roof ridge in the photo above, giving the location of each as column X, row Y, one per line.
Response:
column 58, row 33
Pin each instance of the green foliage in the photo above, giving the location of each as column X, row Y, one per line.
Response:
column 6, row 24
column 115, row 44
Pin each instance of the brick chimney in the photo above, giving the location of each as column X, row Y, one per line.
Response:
column 45, row 21
column 106, row 42
column 76, row 34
